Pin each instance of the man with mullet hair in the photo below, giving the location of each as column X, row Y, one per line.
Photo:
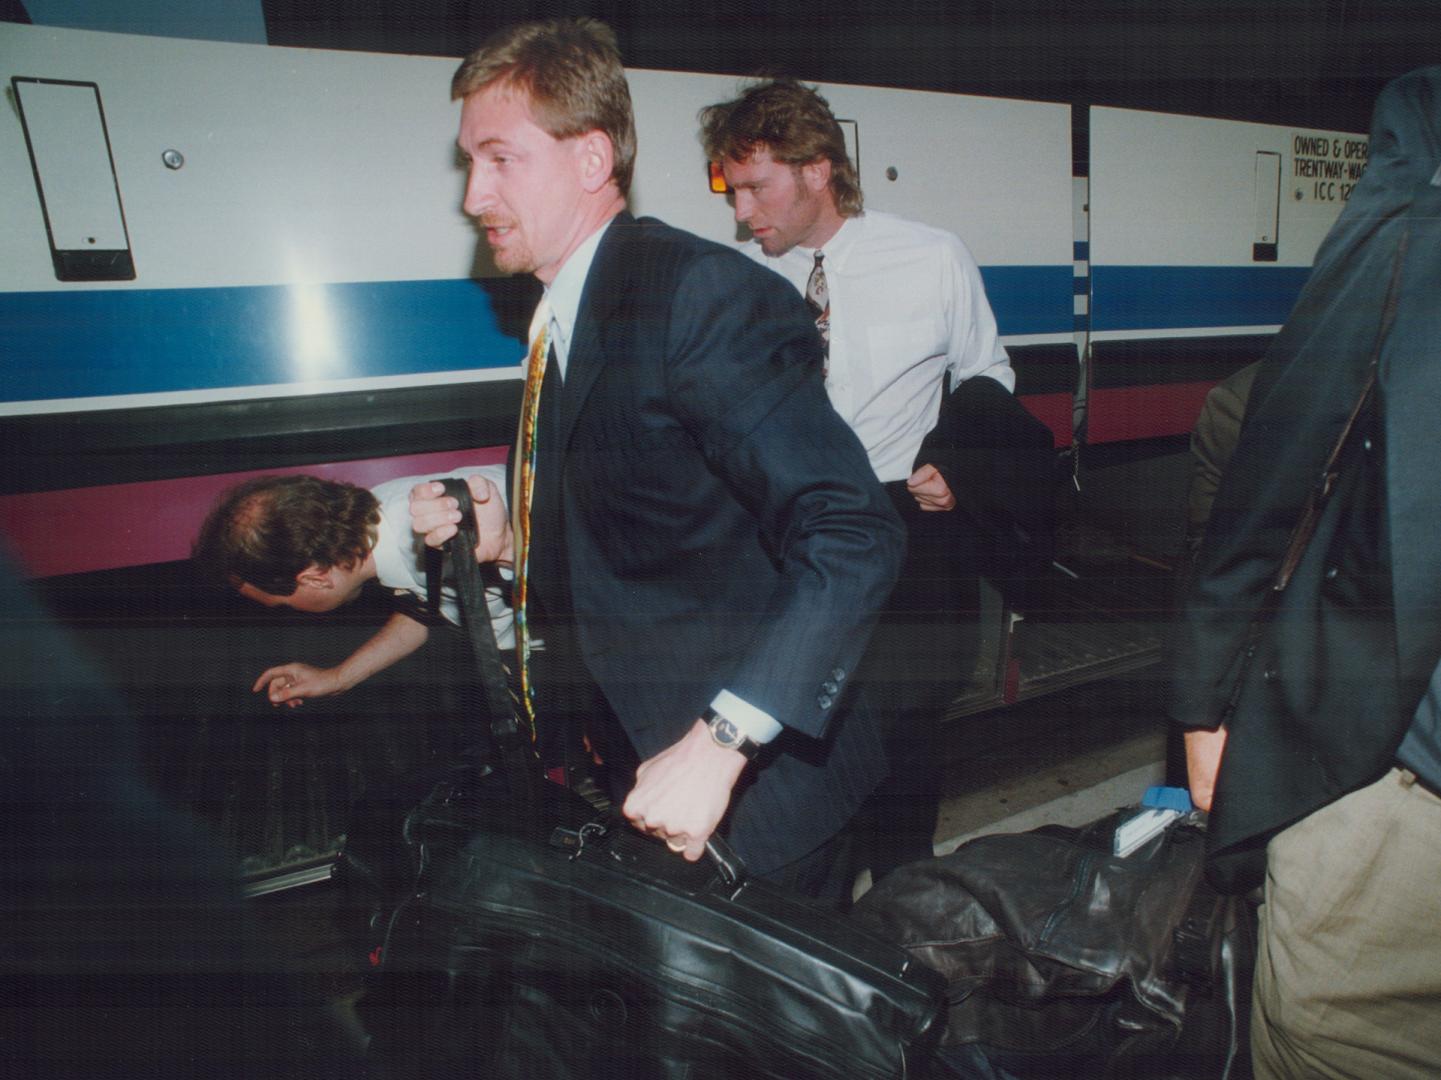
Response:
column 903, row 313
column 690, row 517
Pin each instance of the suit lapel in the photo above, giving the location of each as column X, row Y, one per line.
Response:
column 604, row 288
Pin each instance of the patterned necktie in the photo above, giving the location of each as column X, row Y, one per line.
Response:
column 818, row 299
column 524, row 488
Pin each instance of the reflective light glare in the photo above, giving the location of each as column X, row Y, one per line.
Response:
column 314, row 342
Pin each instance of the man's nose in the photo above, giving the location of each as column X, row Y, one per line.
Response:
column 744, row 207
column 478, row 193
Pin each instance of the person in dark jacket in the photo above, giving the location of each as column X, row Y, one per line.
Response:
column 689, row 505
column 1321, row 749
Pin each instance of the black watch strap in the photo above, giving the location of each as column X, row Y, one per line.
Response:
column 725, row 733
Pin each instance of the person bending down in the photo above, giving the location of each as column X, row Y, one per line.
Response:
column 311, row 544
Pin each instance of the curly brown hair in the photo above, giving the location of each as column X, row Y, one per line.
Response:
column 265, row 531
column 794, row 123
column 571, row 75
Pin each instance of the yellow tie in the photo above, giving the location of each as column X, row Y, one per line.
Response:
column 524, row 487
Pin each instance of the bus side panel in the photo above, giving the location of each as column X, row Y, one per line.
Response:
column 309, row 295
column 1202, row 235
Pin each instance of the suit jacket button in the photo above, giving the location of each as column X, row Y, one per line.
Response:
column 1331, row 572
column 830, row 686
column 839, row 674
column 1271, row 674
column 825, row 701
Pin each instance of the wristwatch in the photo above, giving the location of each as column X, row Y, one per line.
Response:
column 726, row 734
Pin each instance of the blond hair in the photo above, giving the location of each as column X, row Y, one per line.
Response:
column 570, row 73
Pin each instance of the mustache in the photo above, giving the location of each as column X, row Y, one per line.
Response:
column 490, row 220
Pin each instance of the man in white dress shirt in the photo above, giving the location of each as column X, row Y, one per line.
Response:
column 904, row 314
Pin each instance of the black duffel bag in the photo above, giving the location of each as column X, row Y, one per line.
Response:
column 572, row 946
column 517, row 932
column 1064, row 960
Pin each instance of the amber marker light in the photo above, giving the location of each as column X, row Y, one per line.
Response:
column 717, row 179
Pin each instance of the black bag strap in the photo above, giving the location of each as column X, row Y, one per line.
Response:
column 513, row 739
column 434, row 572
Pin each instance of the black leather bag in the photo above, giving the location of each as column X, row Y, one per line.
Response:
column 573, row 946
column 1064, row 960
column 393, row 833
column 516, row 931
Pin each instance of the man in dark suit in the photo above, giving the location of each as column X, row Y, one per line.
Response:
column 1325, row 754
column 700, row 518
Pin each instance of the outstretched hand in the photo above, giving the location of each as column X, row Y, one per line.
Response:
column 435, row 515
column 681, row 794
column 291, row 684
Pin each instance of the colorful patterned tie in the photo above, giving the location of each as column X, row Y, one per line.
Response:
column 524, row 488
column 818, row 299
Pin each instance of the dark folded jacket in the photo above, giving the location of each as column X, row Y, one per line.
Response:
column 999, row 462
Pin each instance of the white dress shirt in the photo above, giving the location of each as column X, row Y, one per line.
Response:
column 907, row 306
column 564, row 293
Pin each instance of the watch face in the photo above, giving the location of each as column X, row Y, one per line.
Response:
column 726, row 732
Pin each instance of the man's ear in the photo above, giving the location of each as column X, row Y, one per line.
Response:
column 817, row 174
column 597, row 160
column 314, row 577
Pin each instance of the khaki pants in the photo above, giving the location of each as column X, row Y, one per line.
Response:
column 1348, row 976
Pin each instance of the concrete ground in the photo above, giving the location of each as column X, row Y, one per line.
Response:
column 1054, row 758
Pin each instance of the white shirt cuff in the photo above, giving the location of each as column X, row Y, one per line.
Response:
column 756, row 725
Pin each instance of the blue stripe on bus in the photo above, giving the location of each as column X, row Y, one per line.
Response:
column 1030, row 299
column 94, row 343
column 1162, row 297
column 103, row 342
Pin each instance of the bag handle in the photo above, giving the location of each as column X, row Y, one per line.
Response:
column 730, row 868
column 727, row 863
column 513, row 740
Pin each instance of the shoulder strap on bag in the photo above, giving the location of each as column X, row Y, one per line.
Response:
column 512, row 738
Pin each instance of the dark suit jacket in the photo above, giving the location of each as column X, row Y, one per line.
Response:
column 719, row 525
column 1337, row 679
